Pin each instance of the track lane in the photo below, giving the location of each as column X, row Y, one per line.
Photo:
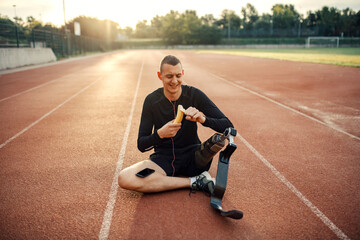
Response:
column 325, row 92
column 30, row 106
column 78, row 190
column 106, row 224
column 17, row 82
column 55, row 177
column 125, row 212
column 167, row 206
column 302, row 150
column 47, row 114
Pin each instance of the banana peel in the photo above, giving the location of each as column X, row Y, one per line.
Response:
column 180, row 114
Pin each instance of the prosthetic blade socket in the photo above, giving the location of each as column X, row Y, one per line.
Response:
column 209, row 149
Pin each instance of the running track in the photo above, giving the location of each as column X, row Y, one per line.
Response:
column 67, row 129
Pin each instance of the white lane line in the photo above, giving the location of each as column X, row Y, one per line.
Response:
column 286, row 107
column 105, row 226
column 31, row 89
column 47, row 114
column 312, row 207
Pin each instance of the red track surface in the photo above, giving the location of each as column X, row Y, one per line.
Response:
column 56, row 175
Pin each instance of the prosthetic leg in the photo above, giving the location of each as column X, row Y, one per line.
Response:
column 203, row 156
column 208, row 149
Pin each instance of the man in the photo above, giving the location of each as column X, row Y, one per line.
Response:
column 174, row 144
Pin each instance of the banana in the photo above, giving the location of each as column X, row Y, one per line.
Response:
column 180, row 114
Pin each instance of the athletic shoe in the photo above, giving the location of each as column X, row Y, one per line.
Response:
column 204, row 182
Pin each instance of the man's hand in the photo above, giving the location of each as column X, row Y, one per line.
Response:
column 169, row 130
column 192, row 114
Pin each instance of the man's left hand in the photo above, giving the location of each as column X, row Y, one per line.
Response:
column 194, row 115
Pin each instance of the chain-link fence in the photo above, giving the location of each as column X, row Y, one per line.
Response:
column 270, row 32
column 63, row 45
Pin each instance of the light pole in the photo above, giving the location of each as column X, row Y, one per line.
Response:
column 229, row 27
column 16, row 28
column 67, row 34
column 15, row 13
column 64, row 15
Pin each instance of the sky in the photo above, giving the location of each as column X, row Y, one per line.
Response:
column 128, row 13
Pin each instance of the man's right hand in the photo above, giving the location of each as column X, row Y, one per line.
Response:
column 169, row 130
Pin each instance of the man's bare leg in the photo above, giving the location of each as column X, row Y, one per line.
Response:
column 156, row 182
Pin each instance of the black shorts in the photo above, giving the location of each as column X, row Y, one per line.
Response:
column 184, row 163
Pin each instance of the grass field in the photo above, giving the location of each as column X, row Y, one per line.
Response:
column 337, row 56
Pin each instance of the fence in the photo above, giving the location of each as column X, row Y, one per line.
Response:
column 63, row 45
column 270, row 32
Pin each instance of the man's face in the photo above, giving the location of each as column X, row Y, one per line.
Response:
column 171, row 76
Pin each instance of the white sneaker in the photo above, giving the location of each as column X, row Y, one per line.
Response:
column 204, row 182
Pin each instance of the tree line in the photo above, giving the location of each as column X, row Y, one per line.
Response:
column 283, row 21
column 188, row 28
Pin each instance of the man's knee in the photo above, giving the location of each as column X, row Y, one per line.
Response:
column 127, row 178
column 126, row 181
column 122, row 180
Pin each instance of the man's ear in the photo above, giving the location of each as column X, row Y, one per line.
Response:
column 183, row 72
column 159, row 75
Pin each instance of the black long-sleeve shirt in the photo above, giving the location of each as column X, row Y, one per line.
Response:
column 158, row 110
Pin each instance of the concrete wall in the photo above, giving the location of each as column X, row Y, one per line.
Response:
column 18, row 57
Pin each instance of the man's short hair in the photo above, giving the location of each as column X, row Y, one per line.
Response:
column 171, row 60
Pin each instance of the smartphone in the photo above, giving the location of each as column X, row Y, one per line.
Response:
column 145, row 172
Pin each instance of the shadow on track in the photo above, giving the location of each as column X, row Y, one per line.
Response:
column 175, row 215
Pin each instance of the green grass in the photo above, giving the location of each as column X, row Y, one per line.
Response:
column 255, row 40
column 336, row 56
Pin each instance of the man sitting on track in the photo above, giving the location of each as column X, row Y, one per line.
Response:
column 174, row 144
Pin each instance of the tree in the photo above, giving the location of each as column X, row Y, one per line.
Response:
column 226, row 17
column 93, row 27
column 208, row 20
column 142, row 30
column 172, row 28
column 250, row 16
column 311, row 20
column 350, row 22
column 195, row 32
column 264, row 23
column 19, row 21
column 156, row 25
column 191, row 26
column 186, row 28
column 285, row 16
column 8, row 29
column 328, row 21
column 32, row 23
column 6, row 20
column 205, row 34
column 333, row 22
column 127, row 31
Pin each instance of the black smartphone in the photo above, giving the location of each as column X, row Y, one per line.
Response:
column 145, row 172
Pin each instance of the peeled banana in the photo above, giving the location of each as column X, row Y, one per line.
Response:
column 180, row 114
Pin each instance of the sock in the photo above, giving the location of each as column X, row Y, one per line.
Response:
column 192, row 180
